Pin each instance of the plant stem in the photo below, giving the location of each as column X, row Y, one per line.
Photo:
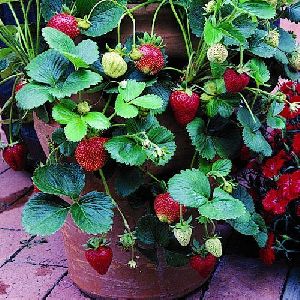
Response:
column 193, row 159
column 186, row 41
column 141, row 5
column 155, row 16
column 248, row 107
column 38, row 26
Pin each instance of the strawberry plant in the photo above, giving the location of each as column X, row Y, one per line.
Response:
column 110, row 100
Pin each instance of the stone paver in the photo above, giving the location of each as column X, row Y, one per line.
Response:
column 10, row 242
column 44, row 251
column 14, row 184
column 66, row 290
column 26, row 281
column 11, row 218
column 242, row 278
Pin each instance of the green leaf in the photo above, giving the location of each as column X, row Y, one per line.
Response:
column 218, row 105
column 96, row 120
column 148, row 101
column 33, row 95
column 76, row 130
column 287, row 42
column 231, row 31
column 175, row 259
column 246, row 119
column 221, row 167
column 104, row 18
column 273, row 118
column 44, row 214
column 76, row 81
column 196, row 16
column 222, row 207
column 47, row 67
column 65, row 147
column 151, row 231
column 58, row 40
column 259, row 71
column 124, row 109
column 241, row 193
column 294, row 12
column 212, row 35
column 128, row 180
column 50, row 7
column 165, row 140
column 190, row 188
column 258, row 8
column 125, row 150
column 256, row 142
column 62, row 115
column 60, row 179
column 245, row 225
column 93, row 213
column 87, row 50
column 132, row 90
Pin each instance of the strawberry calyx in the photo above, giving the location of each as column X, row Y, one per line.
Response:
column 118, row 49
column 198, row 249
column 95, row 242
column 148, row 39
column 84, row 23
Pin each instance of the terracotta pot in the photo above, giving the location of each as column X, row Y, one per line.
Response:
column 148, row 281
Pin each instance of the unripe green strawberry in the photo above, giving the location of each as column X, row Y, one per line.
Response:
column 127, row 240
column 217, row 53
column 84, row 23
column 227, row 187
column 113, row 64
column 272, row 2
column 295, row 60
column 135, row 54
column 183, row 233
column 214, row 246
column 83, row 107
column 272, row 38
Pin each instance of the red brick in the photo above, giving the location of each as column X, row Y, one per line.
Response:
column 246, row 278
column 10, row 242
column 13, row 185
column 11, row 218
column 26, row 281
column 66, row 290
column 50, row 252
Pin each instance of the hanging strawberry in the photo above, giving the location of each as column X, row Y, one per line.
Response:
column 235, row 82
column 65, row 23
column 184, row 104
column 152, row 59
column 98, row 254
column 15, row 156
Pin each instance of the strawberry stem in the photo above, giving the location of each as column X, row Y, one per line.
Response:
column 155, row 16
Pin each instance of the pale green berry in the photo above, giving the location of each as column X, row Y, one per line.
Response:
column 272, row 38
column 83, row 107
column 113, row 64
column 217, row 53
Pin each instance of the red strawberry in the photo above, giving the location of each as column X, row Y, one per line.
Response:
column 65, row 23
column 91, row 154
column 152, row 59
column 267, row 254
column 203, row 265
column 167, row 209
column 36, row 189
column 15, row 156
column 234, row 81
column 184, row 106
column 98, row 255
column 20, row 85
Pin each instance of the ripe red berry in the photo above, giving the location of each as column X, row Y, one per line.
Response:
column 152, row 59
column 65, row 23
column 167, row 209
column 234, row 81
column 184, row 106
column 100, row 258
column 20, row 85
column 15, row 156
column 203, row 265
column 91, row 154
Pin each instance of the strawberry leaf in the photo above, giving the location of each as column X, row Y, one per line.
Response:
column 44, row 214
column 93, row 213
column 132, row 89
column 96, row 120
column 190, row 188
column 148, row 101
column 49, row 179
column 221, row 167
column 76, row 130
column 124, row 109
column 222, row 207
